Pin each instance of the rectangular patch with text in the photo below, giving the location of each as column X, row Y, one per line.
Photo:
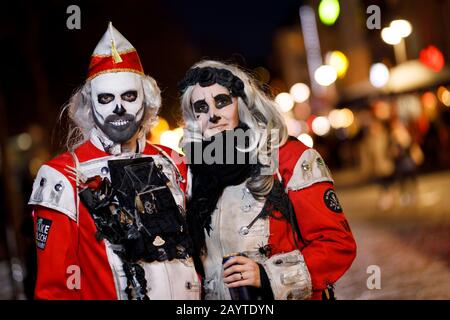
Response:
column 42, row 231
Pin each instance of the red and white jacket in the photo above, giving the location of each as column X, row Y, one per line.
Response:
column 72, row 264
column 326, row 250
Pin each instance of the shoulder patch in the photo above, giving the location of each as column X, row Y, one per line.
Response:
column 331, row 201
column 309, row 169
column 42, row 232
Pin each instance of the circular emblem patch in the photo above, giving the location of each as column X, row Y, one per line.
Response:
column 332, row 202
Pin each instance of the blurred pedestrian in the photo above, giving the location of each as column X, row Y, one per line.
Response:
column 407, row 157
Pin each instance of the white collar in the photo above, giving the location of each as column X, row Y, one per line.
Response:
column 102, row 142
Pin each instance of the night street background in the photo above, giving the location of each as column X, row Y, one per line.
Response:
column 382, row 124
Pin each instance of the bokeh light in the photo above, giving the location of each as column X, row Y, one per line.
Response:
column 306, row 139
column 156, row 131
column 329, row 11
column 433, row 58
column 171, row 139
column 284, row 101
column 444, row 95
column 321, row 126
column 336, row 119
column 347, row 117
column 401, row 27
column 300, row 92
column 325, row 75
column 339, row 61
column 379, row 75
column 24, row 141
column 390, row 36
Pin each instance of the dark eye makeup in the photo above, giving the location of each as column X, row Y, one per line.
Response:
column 223, row 100
column 200, row 106
column 105, row 98
column 129, row 96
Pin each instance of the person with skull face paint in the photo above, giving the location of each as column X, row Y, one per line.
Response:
column 109, row 213
column 279, row 216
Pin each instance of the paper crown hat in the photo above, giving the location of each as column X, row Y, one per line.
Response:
column 114, row 53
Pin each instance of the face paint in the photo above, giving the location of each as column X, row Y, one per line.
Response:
column 214, row 109
column 223, row 100
column 201, row 106
column 118, row 104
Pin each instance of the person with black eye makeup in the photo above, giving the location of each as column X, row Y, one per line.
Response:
column 109, row 213
column 270, row 226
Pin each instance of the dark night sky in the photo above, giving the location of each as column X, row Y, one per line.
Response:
column 45, row 61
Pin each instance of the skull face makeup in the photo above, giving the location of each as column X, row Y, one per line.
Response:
column 118, row 104
column 215, row 109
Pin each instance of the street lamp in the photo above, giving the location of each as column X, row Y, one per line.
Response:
column 395, row 34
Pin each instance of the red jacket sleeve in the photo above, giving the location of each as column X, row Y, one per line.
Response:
column 329, row 244
column 57, row 262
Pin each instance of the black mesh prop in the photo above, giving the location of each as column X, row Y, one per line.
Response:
column 137, row 214
column 141, row 189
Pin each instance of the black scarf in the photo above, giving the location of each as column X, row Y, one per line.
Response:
column 209, row 181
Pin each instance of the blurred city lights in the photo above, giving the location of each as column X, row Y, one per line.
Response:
column 179, row 131
column 321, row 126
column 343, row 118
column 408, row 107
column 156, row 131
column 347, row 117
column 171, row 139
column 24, row 141
column 402, row 27
column 382, row 110
column 306, row 139
column 294, row 127
column 339, row 61
column 302, row 111
column 433, row 58
column 300, row 92
column 325, row 75
column 379, row 75
column 329, row 11
column 284, row 101
column 390, row 36
column 444, row 96
column 446, row 99
column 429, row 100
column 336, row 119
column 397, row 30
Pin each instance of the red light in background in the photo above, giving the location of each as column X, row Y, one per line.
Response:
column 433, row 58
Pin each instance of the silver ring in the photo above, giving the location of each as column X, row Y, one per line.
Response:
column 242, row 277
